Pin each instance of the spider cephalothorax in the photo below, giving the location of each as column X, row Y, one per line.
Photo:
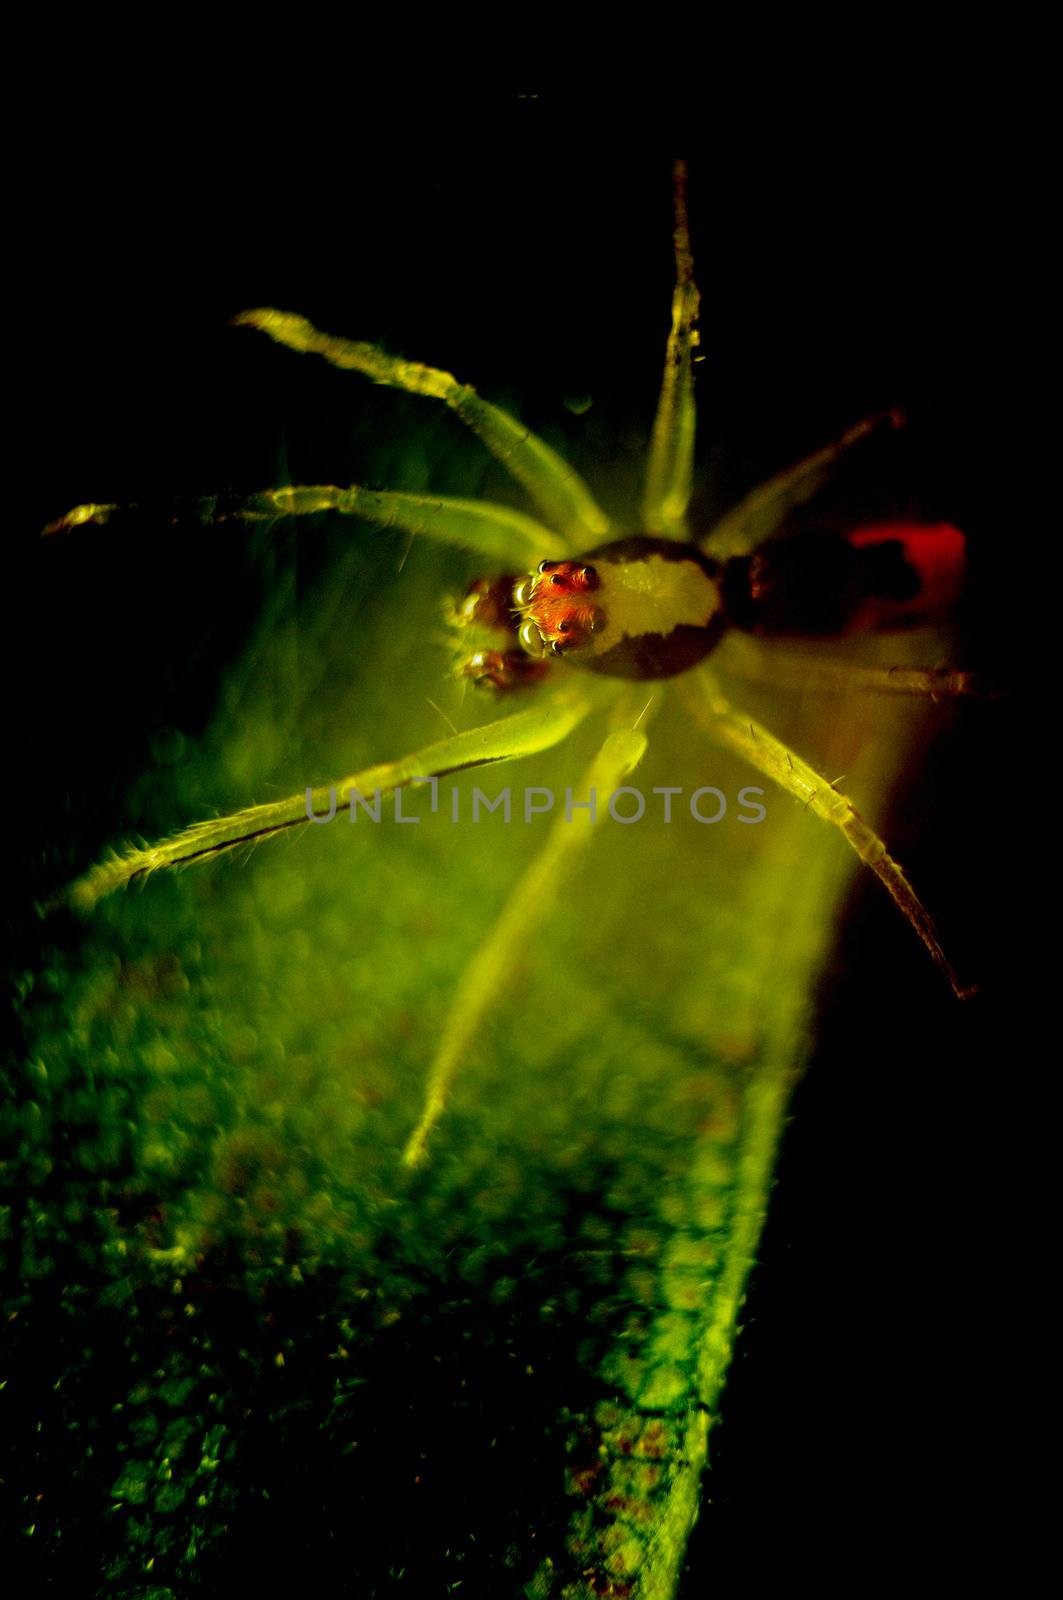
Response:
column 640, row 607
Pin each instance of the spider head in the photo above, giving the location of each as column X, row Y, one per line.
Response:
column 557, row 610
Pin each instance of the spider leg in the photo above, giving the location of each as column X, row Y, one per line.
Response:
column 494, row 531
column 556, row 488
column 776, row 761
column 821, row 674
column 528, row 904
column 537, row 728
column 670, row 468
column 764, row 509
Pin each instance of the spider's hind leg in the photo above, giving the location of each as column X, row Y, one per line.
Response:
column 817, row 674
column 775, row 760
column 762, row 512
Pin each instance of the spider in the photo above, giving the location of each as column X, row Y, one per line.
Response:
column 585, row 619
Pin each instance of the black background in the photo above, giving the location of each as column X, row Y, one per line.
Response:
column 873, row 1411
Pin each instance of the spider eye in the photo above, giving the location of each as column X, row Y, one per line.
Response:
column 564, row 627
column 531, row 639
column 589, row 574
column 547, row 566
column 557, row 579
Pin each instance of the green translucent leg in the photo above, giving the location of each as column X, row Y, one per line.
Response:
column 527, row 907
column 537, row 728
column 494, row 531
column 670, row 469
column 776, row 761
column 820, row 675
column 80, row 515
column 556, row 488
column 765, row 508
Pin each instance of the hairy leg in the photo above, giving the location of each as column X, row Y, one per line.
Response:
column 493, row 531
column 776, row 761
column 527, row 907
column 670, row 469
column 556, row 488
column 763, row 511
column 537, row 728
column 822, row 674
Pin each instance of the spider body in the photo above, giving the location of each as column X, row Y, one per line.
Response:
column 646, row 608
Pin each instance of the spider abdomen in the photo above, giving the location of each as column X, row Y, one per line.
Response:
column 819, row 584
